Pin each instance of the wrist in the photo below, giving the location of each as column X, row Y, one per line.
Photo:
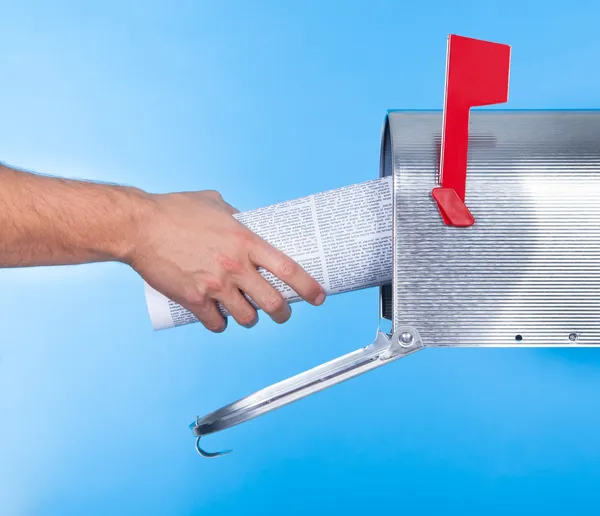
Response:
column 136, row 207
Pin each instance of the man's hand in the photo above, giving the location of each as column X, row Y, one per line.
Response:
column 188, row 246
column 191, row 249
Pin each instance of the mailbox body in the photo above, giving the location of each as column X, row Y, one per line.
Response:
column 527, row 273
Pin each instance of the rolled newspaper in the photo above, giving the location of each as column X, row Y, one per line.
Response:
column 341, row 237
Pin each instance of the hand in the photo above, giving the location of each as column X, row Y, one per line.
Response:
column 191, row 249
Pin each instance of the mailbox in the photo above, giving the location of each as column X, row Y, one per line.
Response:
column 501, row 250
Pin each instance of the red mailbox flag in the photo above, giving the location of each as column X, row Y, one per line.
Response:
column 477, row 74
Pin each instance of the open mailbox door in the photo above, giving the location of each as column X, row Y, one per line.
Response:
column 500, row 249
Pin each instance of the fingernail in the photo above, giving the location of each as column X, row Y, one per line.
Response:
column 320, row 298
column 221, row 330
column 252, row 324
column 279, row 319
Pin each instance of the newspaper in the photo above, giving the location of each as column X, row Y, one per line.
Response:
column 341, row 237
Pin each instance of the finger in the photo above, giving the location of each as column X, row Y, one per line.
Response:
column 239, row 308
column 208, row 314
column 287, row 270
column 265, row 296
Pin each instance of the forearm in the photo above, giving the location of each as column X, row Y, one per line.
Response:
column 187, row 245
column 53, row 221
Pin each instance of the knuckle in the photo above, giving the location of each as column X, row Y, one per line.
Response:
column 243, row 239
column 213, row 285
column 288, row 268
column 194, row 295
column 230, row 265
column 213, row 194
column 274, row 304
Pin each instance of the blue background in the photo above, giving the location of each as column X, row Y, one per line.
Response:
column 266, row 101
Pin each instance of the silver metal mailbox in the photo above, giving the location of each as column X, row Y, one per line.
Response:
column 527, row 273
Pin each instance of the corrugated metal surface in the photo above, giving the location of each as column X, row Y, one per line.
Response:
column 530, row 266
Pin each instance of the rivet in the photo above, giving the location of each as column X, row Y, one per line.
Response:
column 573, row 337
column 406, row 338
